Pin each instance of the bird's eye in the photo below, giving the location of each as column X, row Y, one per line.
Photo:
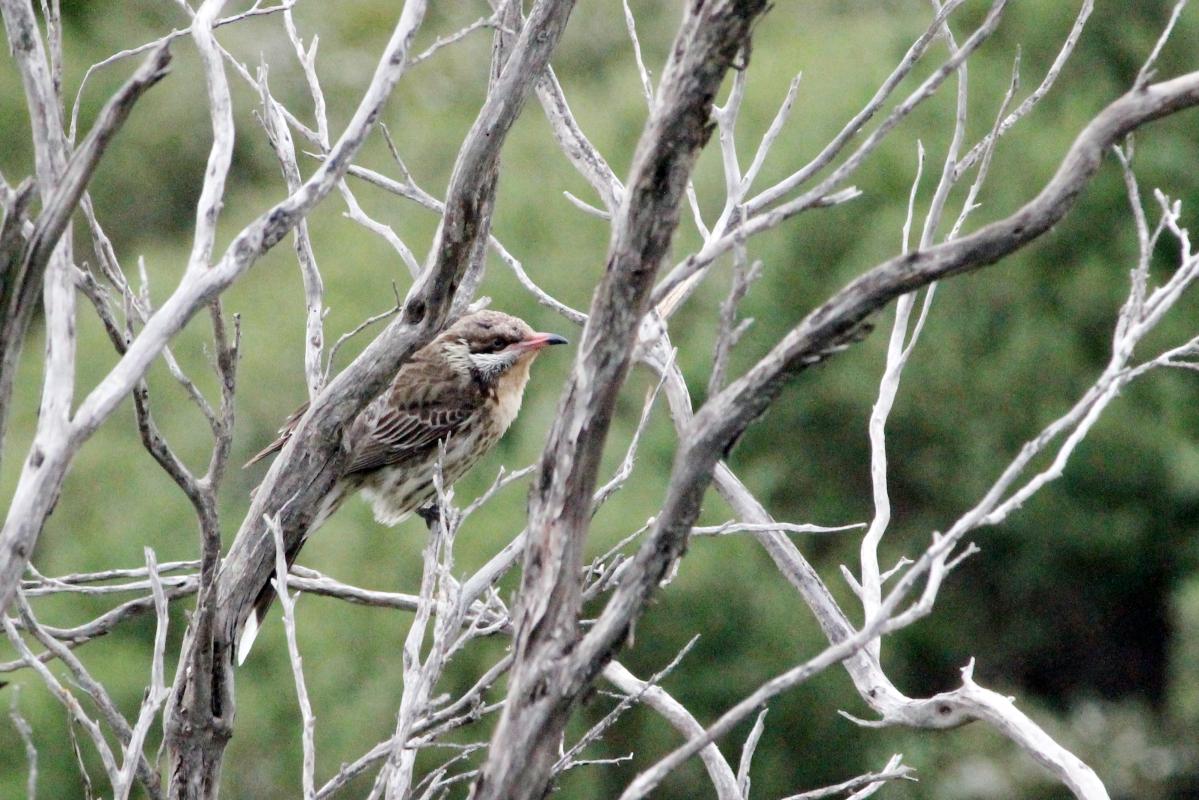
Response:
column 498, row 344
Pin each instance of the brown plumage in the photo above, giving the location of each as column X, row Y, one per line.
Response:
column 464, row 388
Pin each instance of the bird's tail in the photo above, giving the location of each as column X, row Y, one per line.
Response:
column 266, row 595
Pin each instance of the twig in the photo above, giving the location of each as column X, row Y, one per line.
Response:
column 66, row 698
column 360, row 327
column 772, row 133
column 445, row 41
column 893, row 771
column 146, row 774
column 30, row 587
column 413, row 192
column 25, row 731
column 747, row 753
column 314, row 287
column 630, row 457
column 220, row 156
column 132, row 758
column 729, row 332
column 899, row 349
column 826, row 191
column 647, row 87
column 1084, row 13
column 587, row 208
column 178, row 33
column 287, row 604
column 859, row 120
column 733, row 526
column 1146, row 71
column 596, row 731
column 502, row 480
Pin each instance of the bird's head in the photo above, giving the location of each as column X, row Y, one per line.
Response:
column 490, row 343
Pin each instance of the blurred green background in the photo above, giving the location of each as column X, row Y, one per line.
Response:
column 1085, row 605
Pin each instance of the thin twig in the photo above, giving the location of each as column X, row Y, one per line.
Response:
column 308, row 721
column 25, row 731
column 893, row 771
column 178, row 33
column 445, row 41
column 1147, row 69
column 64, row 696
column 1080, row 21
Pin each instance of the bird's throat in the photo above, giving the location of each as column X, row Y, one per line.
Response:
column 510, row 390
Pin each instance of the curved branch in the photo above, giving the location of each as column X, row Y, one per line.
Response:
column 65, row 197
column 313, row 459
column 524, row 744
column 310, row 462
column 830, row 327
column 44, row 472
column 722, row 419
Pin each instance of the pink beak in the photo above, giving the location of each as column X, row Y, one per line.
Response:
column 538, row 341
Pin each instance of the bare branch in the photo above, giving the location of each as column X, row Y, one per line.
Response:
column 719, row 771
column 596, row 731
column 59, row 206
column 308, row 721
column 66, row 698
column 899, row 349
column 156, row 695
column 826, row 192
column 1084, row 13
column 829, row 324
column 25, row 267
column 314, row 287
column 871, row 780
column 729, row 331
column 1146, row 71
column 855, row 125
column 221, row 155
column 36, row 488
column 747, row 753
column 457, row 36
column 762, row 527
column 25, row 731
column 571, row 140
column 360, row 327
column 146, row 774
column 708, row 41
column 179, row 33
column 647, row 86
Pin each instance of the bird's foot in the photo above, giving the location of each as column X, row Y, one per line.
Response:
column 430, row 513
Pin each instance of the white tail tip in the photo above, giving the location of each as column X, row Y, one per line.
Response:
column 248, row 635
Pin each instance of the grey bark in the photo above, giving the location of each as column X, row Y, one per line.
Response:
column 542, row 694
column 554, row 664
column 314, row 457
column 722, row 419
column 23, row 262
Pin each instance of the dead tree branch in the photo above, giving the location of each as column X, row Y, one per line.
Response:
column 541, row 695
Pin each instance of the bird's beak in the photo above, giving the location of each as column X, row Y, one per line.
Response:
column 539, row 340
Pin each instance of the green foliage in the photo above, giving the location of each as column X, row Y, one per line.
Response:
column 1085, row 604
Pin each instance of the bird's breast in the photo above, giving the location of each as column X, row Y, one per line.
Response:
column 397, row 490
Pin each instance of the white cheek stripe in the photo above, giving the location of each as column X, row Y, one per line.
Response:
column 488, row 364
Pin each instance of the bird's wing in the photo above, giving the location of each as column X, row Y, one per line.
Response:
column 388, row 434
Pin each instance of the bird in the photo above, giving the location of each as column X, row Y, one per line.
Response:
column 453, row 399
